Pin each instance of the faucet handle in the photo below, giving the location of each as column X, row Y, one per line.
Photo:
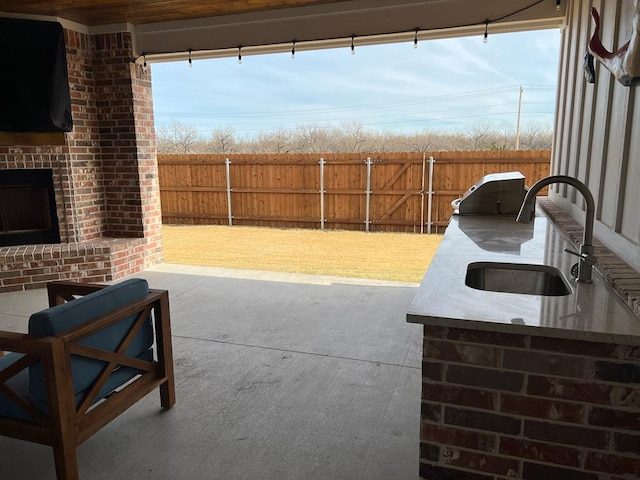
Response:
column 586, row 257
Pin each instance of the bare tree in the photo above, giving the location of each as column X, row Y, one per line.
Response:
column 177, row 138
column 222, row 141
column 421, row 142
column 536, row 136
column 352, row 137
column 479, row 135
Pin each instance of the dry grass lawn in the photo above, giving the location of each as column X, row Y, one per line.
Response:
column 400, row 257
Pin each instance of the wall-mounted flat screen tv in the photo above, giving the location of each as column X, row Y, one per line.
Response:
column 34, row 83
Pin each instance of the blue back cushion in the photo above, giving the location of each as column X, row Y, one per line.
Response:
column 58, row 319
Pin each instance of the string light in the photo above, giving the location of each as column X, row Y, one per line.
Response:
column 416, row 31
column 144, row 63
column 558, row 2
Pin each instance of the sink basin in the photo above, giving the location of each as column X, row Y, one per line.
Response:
column 517, row 278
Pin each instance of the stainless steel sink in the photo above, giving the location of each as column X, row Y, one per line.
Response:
column 520, row 278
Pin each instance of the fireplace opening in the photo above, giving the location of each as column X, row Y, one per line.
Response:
column 27, row 207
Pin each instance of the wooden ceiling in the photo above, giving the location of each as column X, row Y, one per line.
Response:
column 163, row 30
column 104, row 12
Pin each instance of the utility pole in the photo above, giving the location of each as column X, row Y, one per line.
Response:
column 518, row 122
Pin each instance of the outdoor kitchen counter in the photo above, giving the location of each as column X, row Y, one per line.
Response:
column 591, row 312
column 524, row 386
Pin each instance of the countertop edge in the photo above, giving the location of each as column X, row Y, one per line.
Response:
column 536, row 331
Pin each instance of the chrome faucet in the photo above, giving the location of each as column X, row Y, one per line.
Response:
column 586, row 257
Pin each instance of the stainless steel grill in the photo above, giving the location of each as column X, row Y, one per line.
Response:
column 493, row 194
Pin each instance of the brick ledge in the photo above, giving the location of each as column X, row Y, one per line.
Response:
column 622, row 277
column 25, row 267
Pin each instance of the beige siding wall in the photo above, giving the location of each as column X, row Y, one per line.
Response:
column 598, row 130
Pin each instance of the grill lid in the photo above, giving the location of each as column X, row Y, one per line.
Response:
column 493, row 194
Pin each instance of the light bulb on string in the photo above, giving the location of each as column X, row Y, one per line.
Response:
column 240, row 54
column 415, row 39
column 486, row 32
column 353, row 46
column 190, row 61
column 293, row 49
column 558, row 4
column 144, row 63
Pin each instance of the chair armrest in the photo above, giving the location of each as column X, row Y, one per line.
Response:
column 24, row 343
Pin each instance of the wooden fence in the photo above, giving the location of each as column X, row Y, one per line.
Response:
column 405, row 192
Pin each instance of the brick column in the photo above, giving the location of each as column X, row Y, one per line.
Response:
column 127, row 140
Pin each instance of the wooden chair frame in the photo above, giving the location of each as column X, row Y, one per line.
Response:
column 67, row 426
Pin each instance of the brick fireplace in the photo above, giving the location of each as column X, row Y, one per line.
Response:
column 104, row 174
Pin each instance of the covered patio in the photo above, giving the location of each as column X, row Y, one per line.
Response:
column 278, row 376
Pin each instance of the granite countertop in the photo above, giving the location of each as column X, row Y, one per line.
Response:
column 592, row 311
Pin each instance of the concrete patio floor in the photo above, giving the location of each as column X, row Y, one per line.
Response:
column 278, row 376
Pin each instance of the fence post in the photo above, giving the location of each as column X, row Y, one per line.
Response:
column 227, row 163
column 424, row 156
column 321, row 193
column 368, row 194
column 430, row 208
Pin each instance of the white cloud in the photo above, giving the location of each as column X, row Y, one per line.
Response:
column 446, row 83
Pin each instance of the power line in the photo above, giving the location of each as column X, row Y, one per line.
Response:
column 418, row 101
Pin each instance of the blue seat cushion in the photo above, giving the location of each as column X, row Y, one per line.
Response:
column 19, row 383
column 59, row 319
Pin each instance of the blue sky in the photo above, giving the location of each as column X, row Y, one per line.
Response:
column 444, row 85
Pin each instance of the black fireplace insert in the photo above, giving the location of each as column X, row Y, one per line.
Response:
column 27, row 207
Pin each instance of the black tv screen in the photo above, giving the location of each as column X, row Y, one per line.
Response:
column 34, row 83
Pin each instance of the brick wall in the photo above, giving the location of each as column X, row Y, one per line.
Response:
column 500, row 406
column 105, row 175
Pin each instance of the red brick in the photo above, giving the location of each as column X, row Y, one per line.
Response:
column 462, row 438
column 430, row 412
column 434, row 332
column 436, row 472
column 611, row 463
column 566, row 435
column 544, row 452
column 535, row 471
column 479, row 462
column 489, row 422
column 492, row 338
column 485, row 377
column 470, row 397
column 574, row 347
column 461, row 353
column 548, row 363
column 622, row 419
column 429, row 452
column 591, row 392
column 617, row 372
column 541, row 408
column 626, row 443
column 432, row 371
